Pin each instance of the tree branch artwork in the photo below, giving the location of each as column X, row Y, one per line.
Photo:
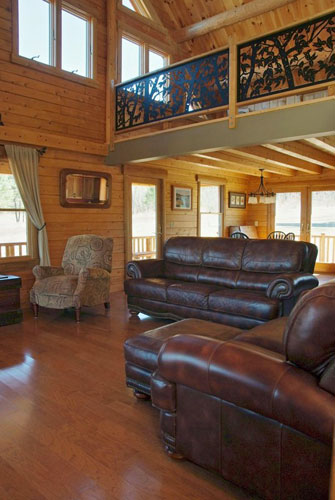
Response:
column 294, row 58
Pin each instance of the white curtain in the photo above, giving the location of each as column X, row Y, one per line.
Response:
column 24, row 166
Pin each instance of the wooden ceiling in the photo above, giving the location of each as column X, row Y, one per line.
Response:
column 177, row 14
column 310, row 157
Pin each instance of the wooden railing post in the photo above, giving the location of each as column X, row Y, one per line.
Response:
column 322, row 247
column 232, row 81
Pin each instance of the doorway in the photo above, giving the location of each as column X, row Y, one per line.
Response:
column 310, row 214
column 144, row 209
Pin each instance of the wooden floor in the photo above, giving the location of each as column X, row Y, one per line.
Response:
column 70, row 429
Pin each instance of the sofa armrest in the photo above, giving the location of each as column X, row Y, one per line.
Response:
column 145, row 268
column 286, row 286
column 250, row 377
column 41, row 272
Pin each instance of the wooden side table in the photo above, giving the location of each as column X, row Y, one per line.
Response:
column 10, row 311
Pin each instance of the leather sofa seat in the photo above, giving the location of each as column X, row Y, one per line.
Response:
column 242, row 283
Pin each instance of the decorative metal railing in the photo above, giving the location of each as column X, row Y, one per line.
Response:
column 179, row 90
column 13, row 249
column 144, row 247
column 286, row 61
column 291, row 59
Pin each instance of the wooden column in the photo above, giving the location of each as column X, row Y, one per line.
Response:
column 111, row 70
column 232, row 81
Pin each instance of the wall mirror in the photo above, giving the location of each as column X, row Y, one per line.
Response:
column 82, row 188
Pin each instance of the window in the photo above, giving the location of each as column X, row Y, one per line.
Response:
column 35, row 44
column 129, row 4
column 210, row 210
column 63, row 40
column 13, row 220
column 131, row 59
column 139, row 58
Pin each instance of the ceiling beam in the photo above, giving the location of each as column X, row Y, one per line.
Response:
column 305, row 152
column 313, row 119
column 230, row 156
column 324, row 143
column 223, row 19
column 268, row 156
column 222, row 165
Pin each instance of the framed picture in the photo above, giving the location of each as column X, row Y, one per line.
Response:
column 181, row 198
column 237, row 200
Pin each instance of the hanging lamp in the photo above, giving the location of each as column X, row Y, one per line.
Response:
column 261, row 195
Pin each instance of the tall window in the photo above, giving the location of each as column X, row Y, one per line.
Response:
column 13, row 220
column 211, row 210
column 38, row 31
column 139, row 58
column 35, row 44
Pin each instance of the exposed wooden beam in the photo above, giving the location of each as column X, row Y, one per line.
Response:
column 184, row 162
column 311, row 119
column 231, row 156
column 305, row 152
column 227, row 18
column 222, row 165
column 269, row 156
column 324, row 143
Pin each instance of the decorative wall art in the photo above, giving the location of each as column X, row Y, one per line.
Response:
column 181, row 198
column 236, row 200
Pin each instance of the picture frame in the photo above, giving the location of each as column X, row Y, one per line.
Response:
column 181, row 198
column 237, row 200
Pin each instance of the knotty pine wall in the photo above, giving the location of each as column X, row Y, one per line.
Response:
column 40, row 103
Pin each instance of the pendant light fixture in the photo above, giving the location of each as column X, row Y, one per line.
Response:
column 261, row 195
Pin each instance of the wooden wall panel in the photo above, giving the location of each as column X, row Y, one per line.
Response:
column 35, row 100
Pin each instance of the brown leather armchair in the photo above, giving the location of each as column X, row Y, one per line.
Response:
column 262, row 419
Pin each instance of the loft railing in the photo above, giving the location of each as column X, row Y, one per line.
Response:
column 282, row 63
column 179, row 90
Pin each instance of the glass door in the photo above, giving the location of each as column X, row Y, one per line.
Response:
column 321, row 227
column 144, row 218
column 289, row 213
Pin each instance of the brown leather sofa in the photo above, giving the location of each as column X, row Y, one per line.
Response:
column 262, row 418
column 241, row 283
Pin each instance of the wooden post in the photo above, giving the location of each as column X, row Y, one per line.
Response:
column 111, row 71
column 322, row 247
column 232, row 81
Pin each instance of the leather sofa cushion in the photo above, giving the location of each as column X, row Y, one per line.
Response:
column 271, row 256
column 143, row 349
column 178, row 272
column 215, row 276
column 224, row 253
column 269, row 335
column 254, row 281
column 244, row 303
column 148, row 288
column 185, row 250
column 190, row 294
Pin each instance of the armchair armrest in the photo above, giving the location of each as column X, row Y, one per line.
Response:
column 41, row 272
column 286, row 286
column 145, row 268
column 92, row 273
column 250, row 377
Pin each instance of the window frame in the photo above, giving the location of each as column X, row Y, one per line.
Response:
column 206, row 182
column 55, row 66
column 145, row 48
column 31, row 233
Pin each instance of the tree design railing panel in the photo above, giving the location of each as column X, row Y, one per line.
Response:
column 194, row 86
column 291, row 59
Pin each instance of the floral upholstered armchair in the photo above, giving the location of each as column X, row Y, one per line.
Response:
column 83, row 279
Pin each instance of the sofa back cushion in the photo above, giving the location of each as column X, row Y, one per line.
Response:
column 309, row 339
column 273, row 256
